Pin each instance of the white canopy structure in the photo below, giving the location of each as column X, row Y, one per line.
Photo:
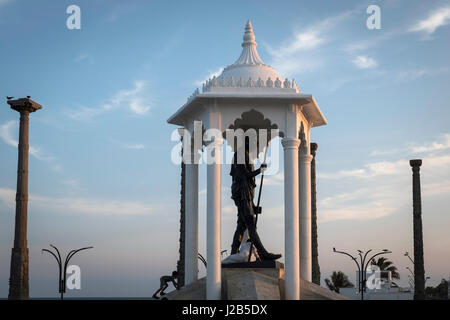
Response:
column 254, row 94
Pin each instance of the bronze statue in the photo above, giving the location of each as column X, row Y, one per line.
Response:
column 164, row 283
column 242, row 192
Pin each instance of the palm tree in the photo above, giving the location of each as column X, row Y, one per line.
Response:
column 338, row 280
column 386, row 265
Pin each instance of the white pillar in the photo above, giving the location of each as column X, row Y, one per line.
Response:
column 305, row 215
column 191, row 224
column 213, row 236
column 291, row 218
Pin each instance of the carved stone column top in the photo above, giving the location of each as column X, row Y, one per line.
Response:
column 290, row 143
column 24, row 105
column 415, row 163
column 305, row 158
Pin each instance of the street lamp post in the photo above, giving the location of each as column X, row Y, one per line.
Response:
column 410, row 271
column 63, row 268
column 362, row 266
column 407, row 255
column 411, row 282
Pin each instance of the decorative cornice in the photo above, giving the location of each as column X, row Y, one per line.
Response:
column 222, row 81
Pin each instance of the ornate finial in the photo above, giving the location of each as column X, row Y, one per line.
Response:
column 249, row 55
column 249, row 37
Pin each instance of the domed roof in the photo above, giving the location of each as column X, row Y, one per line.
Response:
column 249, row 65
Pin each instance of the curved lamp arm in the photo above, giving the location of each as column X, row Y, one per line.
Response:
column 202, row 259
column 379, row 253
column 71, row 254
column 365, row 256
column 57, row 260
column 57, row 251
column 348, row 254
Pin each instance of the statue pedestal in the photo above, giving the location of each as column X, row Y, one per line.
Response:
column 252, row 281
column 254, row 264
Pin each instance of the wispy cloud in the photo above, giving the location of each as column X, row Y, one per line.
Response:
column 364, row 62
column 9, row 137
column 211, row 74
column 436, row 19
column 442, row 143
column 4, row 2
column 71, row 183
column 133, row 146
column 134, row 99
column 84, row 57
column 369, row 170
column 381, row 188
column 384, row 192
column 85, row 206
column 414, row 74
column 292, row 56
column 366, row 43
column 300, row 41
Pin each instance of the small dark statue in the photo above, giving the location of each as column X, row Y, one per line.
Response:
column 242, row 192
column 165, row 283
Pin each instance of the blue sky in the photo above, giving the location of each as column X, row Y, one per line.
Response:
column 100, row 170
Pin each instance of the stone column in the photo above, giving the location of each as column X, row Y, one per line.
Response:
column 305, row 213
column 18, row 281
column 291, row 218
column 213, row 224
column 314, row 244
column 419, row 269
column 182, row 247
column 191, row 231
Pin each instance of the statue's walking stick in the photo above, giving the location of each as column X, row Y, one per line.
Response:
column 257, row 206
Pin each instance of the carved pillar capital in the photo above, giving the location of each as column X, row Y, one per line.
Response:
column 307, row 158
column 290, row 143
column 415, row 164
